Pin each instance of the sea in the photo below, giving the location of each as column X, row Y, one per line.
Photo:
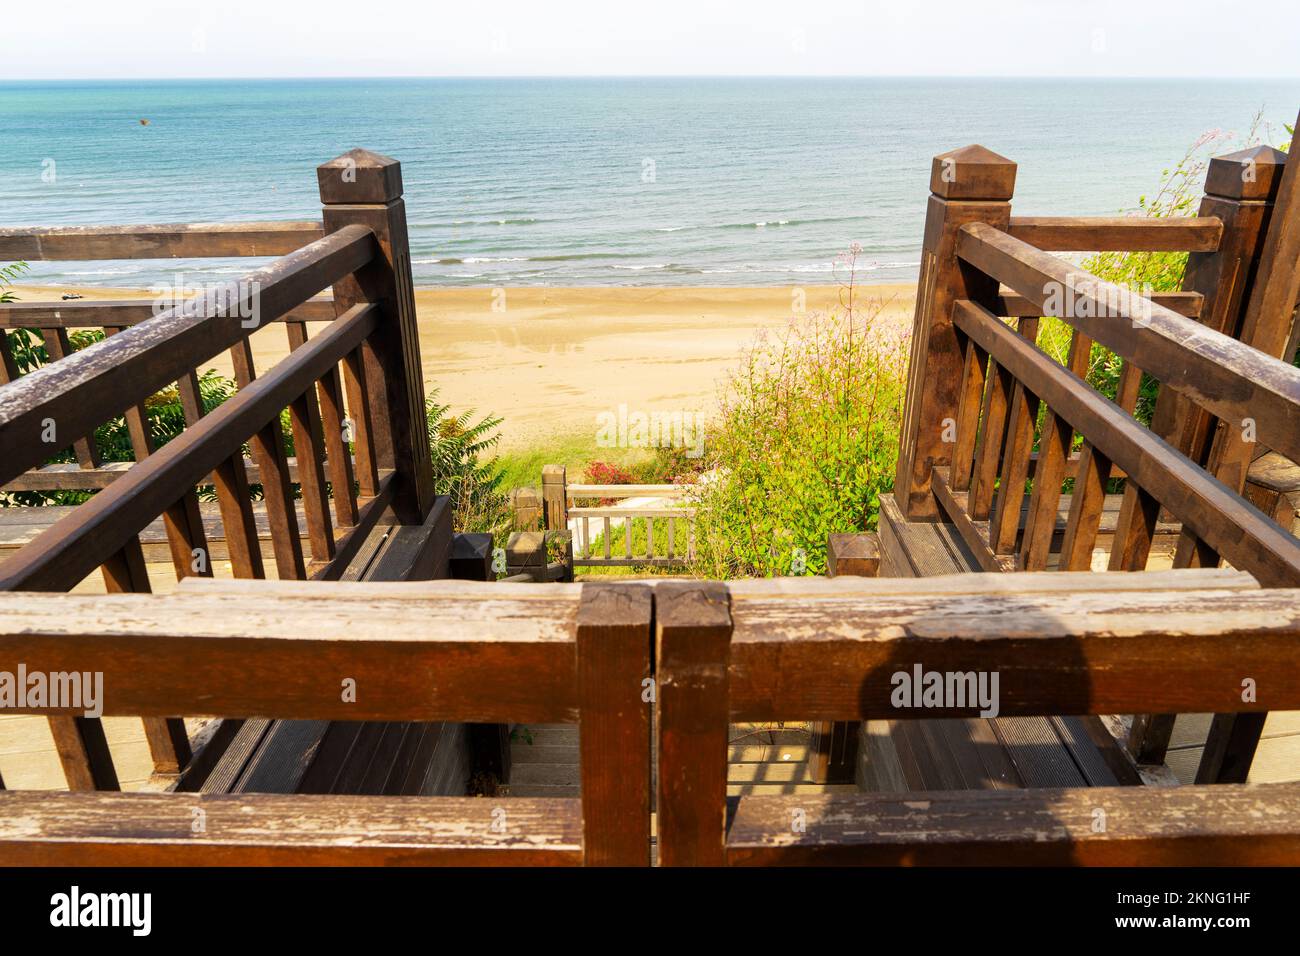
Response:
column 588, row 181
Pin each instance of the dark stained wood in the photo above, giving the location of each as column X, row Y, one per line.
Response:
column 309, row 447
column 96, row 313
column 1053, row 455
column 339, row 456
column 1118, row 233
column 156, row 829
column 370, row 519
column 1230, row 379
column 1014, row 305
column 172, row 241
column 364, row 188
column 362, row 430
column 614, row 692
column 108, row 377
column 852, row 555
column 59, row 347
column 1144, row 826
column 73, row 548
column 501, row 655
column 693, row 630
column 1244, row 535
column 83, row 752
column 983, row 182
column 1080, row 653
column 969, row 408
column 1022, row 419
column 995, row 415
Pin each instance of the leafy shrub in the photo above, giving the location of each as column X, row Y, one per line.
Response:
column 458, row 445
column 805, row 442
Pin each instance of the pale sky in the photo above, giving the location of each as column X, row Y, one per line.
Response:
column 112, row 39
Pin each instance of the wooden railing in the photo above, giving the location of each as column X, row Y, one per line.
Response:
column 973, row 451
column 445, row 651
column 379, row 465
column 748, row 651
column 770, row 651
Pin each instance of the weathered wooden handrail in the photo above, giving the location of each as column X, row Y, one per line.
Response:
column 1245, row 535
column 84, row 540
column 725, row 657
column 427, row 651
column 123, row 313
column 103, row 379
column 171, row 241
column 1224, row 376
column 1118, row 233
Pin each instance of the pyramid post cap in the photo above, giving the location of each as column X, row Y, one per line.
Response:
column 359, row 176
column 1253, row 173
column 972, row 172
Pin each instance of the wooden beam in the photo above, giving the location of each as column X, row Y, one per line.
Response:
column 411, row 653
column 97, row 313
column 264, row 829
column 693, row 629
column 1096, row 826
column 172, row 241
column 1118, row 233
column 1064, row 653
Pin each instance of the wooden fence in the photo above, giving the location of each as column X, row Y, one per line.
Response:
column 366, row 329
column 750, row 651
column 973, row 451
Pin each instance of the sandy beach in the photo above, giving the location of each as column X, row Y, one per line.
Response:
column 549, row 360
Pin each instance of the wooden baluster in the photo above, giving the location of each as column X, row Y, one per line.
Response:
column 230, row 480
column 693, row 650
column 1040, row 524
column 988, row 458
column 58, row 345
column 365, row 188
column 186, row 537
column 309, row 447
column 267, row 447
column 83, row 753
column 169, row 744
column 342, row 483
column 614, row 646
column 1004, row 523
column 970, row 184
column 354, row 365
column 976, row 362
column 1135, row 528
column 1088, row 499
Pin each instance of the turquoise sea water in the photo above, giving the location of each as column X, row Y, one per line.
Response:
column 597, row 182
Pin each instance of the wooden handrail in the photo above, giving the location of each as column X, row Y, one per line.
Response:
column 123, row 313
column 722, row 658
column 171, row 241
column 417, row 651
column 85, row 539
column 1224, row 376
column 84, row 389
column 1237, row 529
column 1118, row 233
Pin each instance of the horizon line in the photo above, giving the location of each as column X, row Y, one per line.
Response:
column 656, row 76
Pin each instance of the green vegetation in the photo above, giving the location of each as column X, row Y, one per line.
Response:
column 459, row 447
column 805, row 443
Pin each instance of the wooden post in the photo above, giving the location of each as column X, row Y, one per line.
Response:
column 366, row 188
column 693, row 650
column 971, row 184
column 614, row 723
column 1240, row 189
column 555, row 497
column 526, row 508
column 833, row 747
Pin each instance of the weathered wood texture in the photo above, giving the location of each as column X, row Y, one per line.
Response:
column 1116, row 826
column 141, row 829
